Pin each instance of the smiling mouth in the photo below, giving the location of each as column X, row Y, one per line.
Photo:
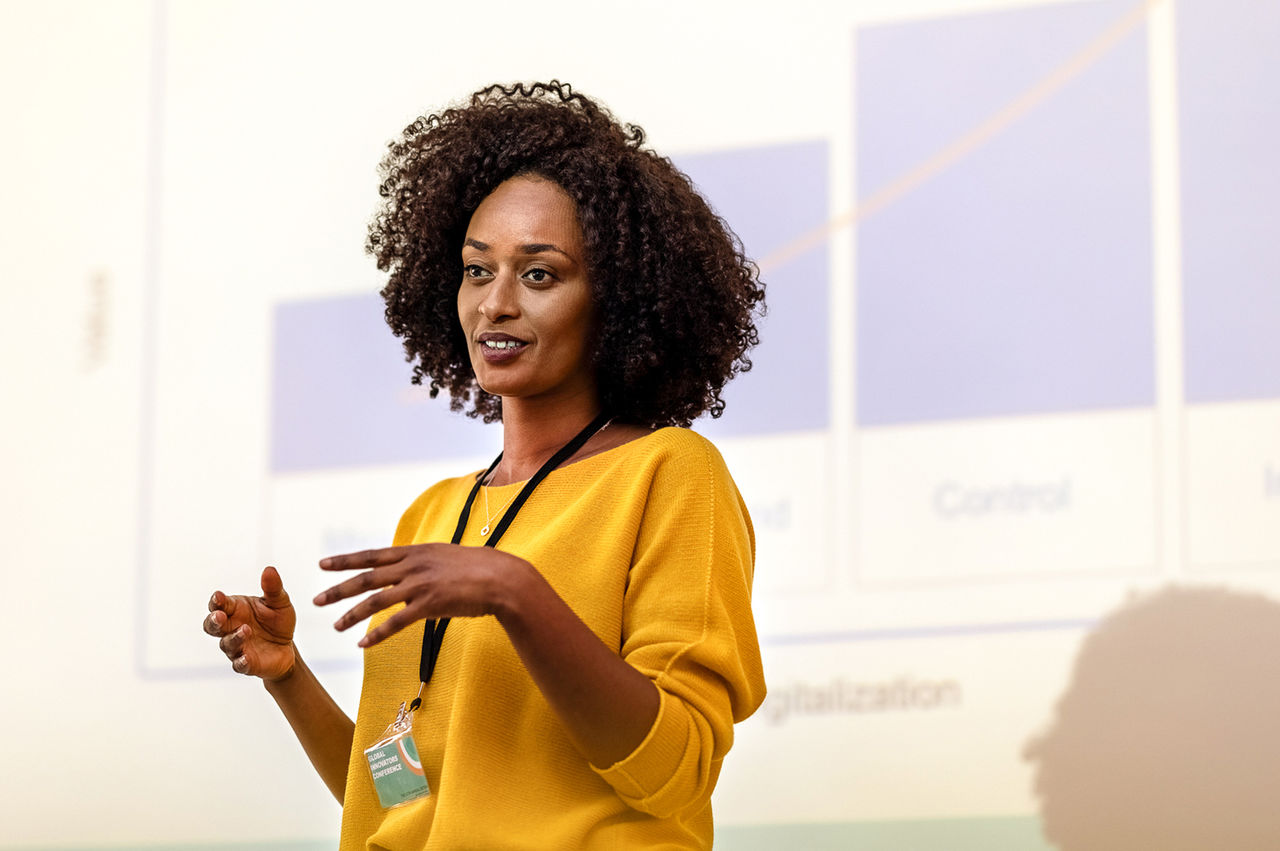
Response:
column 500, row 348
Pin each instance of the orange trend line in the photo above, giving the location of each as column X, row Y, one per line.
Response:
column 969, row 142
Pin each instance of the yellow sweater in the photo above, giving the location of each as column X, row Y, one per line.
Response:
column 650, row 544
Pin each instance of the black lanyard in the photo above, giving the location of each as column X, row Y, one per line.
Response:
column 433, row 632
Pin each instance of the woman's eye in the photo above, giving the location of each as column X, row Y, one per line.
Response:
column 471, row 270
column 538, row 276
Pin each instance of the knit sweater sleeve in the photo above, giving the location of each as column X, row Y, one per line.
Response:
column 687, row 625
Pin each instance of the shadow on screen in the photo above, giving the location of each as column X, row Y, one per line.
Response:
column 1168, row 735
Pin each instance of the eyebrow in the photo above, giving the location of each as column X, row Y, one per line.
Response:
column 527, row 248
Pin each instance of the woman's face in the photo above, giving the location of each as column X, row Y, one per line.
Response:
column 525, row 301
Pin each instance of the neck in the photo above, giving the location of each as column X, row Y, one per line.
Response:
column 532, row 433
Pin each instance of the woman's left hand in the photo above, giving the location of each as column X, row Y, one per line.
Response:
column 432, row 580
column 606, row 705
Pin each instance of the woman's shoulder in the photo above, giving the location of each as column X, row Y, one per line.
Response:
column 679, row 450
column 687, row 441
column 675, row 441
column 434, row 514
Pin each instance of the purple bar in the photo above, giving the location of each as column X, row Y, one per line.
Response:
column 770, row 196
column 1018, row 280
column 1229, row 115
column 341, row 395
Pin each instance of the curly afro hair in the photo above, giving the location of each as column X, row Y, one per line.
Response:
column 673, row 292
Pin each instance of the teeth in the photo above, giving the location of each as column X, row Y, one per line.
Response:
column 502, row 344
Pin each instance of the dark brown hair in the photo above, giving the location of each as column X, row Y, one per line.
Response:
column 675, row 296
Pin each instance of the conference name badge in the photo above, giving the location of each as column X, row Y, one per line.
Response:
column 394, row 763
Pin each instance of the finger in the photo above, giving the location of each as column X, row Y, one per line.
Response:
column 364, row 559
column 233, row 644
column 228, row 605
column 240, row 664
column 273, row 593
column 368, row 581
column 369, row 606
column 214, row 622
column 388, row 628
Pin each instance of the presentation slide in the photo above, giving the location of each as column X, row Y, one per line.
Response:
column 1010, row 441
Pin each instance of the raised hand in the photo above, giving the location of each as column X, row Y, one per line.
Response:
column 432, row 580
column 256, row 632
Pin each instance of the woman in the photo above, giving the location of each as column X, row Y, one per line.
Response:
column 550, row 273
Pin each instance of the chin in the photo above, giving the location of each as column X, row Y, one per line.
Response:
column 502, row 389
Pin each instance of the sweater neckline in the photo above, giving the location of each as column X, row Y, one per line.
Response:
column 606, row 453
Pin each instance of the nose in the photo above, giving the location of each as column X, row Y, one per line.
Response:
column 501, row 298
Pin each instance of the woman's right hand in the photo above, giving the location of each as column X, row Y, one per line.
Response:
column 256, row 632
